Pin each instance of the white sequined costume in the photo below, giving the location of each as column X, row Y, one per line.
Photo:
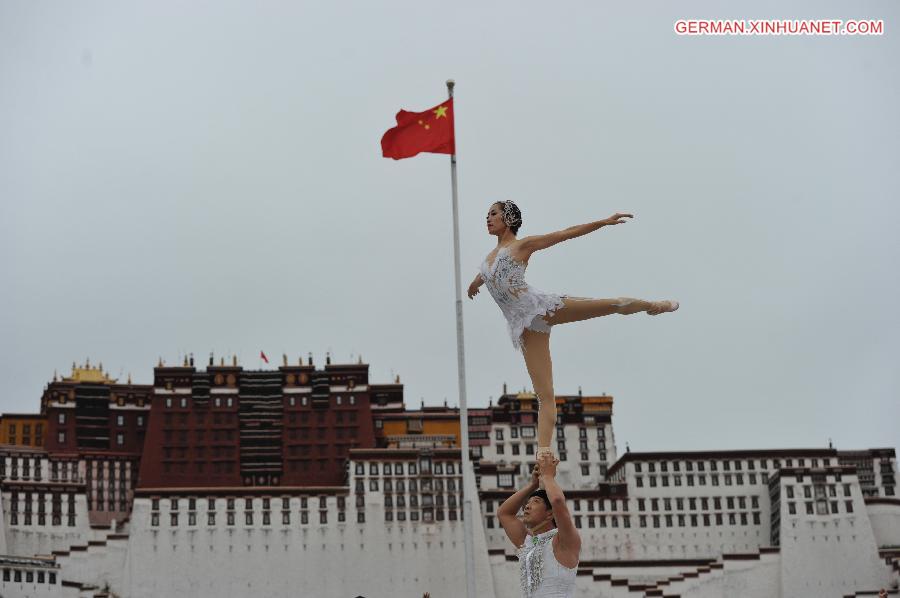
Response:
column 542, row 576
column 523, row 305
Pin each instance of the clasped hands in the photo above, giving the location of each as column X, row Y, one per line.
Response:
column 545, row 466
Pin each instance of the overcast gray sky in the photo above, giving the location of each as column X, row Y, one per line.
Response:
column 208, row 177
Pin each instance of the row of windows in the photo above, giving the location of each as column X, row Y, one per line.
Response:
column 230, row 503
column 427, row 515
column 707, row 519
column 230, row 518
column 122, row 419
column 717, row 502
column 41, row 519
column 728, row 465
column 438, row 467
column 820, row 490
column 516, row 448
column 291, row 400
column 27, row 440
column 602, row 504
column 426, row 485
column 59, row 470
column 528, row 432
column 99, row 504
column 591, row 520
column 29, row 576
column 821, row 507
column 729, row 479
column 428, row 500
column 582, row 445
column 26, row 429
column 514, row 432
column 29, row 498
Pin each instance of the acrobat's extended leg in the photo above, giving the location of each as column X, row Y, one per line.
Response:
column 576, row 309
column 537, row 359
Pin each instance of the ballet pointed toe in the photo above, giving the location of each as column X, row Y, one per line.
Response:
column 663, row 307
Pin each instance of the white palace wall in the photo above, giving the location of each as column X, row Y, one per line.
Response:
column 374, row 558
column 885, row 520
column 830, row 552
column 366, row 552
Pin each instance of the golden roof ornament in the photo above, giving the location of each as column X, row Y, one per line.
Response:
column 87, row 373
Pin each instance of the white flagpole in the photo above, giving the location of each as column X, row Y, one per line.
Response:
column 468, row 489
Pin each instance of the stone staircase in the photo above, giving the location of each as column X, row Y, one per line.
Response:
column 94, row 567
column 742, row 575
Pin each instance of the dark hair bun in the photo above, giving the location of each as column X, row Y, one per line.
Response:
column 512, row 215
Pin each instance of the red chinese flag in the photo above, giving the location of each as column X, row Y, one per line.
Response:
column 263, row 356
column 429, row 131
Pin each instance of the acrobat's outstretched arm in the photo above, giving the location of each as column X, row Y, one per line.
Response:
column 507, row 512
column 569, row 539
column 538, row 242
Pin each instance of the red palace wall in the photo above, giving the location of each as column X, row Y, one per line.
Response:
column 227, row 427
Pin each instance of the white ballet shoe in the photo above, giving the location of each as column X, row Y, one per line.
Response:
column 662, row 307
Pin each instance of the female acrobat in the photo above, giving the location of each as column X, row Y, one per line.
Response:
column 530, row 312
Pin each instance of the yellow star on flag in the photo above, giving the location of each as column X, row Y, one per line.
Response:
column 440, row 111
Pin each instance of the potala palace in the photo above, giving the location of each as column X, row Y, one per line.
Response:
column 309, row 481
